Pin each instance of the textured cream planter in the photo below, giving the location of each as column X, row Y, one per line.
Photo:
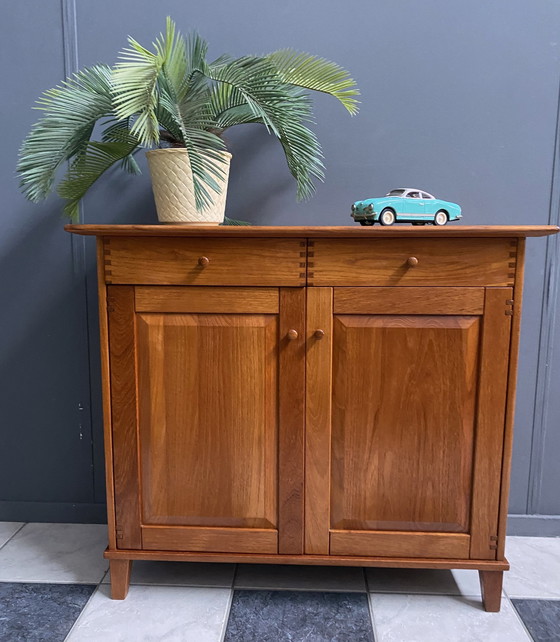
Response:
column 174, row 191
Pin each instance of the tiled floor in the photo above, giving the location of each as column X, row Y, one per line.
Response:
column 54, row 587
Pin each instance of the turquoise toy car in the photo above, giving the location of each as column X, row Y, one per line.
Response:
column 405, row 205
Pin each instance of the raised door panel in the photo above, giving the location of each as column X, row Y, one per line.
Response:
column 207, row 419
column 202, row 458
column 403, row 420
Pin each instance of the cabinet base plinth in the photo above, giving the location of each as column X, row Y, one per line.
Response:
column 316, row 560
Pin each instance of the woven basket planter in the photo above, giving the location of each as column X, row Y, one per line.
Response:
column 173, row 188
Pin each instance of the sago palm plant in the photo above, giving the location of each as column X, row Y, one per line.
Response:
column 172, row 96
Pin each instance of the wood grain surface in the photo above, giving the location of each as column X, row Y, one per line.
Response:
column 313, row 560
column 457, row 262
column 207, row 299
column 207, row 419
column 491, row 423
column 106, row 393
column 226, row 540
column 391, row 544
column 175, row 261
column 122, row 354
column 412, row 300
column 404, row 391
column 291, row 460
column 319, row 231
column 318, row 421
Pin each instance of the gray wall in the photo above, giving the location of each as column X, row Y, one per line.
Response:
column 459, row 98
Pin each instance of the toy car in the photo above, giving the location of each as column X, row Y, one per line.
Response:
column 405, row 205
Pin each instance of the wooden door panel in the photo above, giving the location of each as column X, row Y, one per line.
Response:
column 411, row 300
column 207, row 419
column 218, row 540
column 122, row 344
column 208, row 406
column 291, row 444
column 400, row 544
column 491, row 423
column 403, row 422
column 169, row 298
column 318, row 413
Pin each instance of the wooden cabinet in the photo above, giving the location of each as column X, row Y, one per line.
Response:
column 310, row 395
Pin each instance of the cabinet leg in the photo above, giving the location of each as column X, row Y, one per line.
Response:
column 120, row 578
column 491, row 587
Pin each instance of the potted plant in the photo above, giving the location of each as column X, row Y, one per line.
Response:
column 173, row 101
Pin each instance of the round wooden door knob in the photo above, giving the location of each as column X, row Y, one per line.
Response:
column 203, row 261
column 412, row 261
column 319, row 334
column 292, row 334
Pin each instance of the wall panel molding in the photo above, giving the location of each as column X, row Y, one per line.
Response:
column 548, row 332
column 533, row 526
column 69, row 36
column 63, row 512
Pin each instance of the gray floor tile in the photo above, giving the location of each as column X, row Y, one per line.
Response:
column 40, row 612
column 180, row 574
column 427, row 581
column 70, row 553
column 7, row 529
column 442, row 618
column 541, row 617
column 294, row 616
column 300, row 578
column 154, row 614
column 535, row 567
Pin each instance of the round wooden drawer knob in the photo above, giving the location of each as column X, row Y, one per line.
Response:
column 412, row 261
column 319, row 334
column 293, row 334
column 203, row 261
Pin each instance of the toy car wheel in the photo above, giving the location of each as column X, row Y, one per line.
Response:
column 387, row 217
column 366, row 222
column 440, row 218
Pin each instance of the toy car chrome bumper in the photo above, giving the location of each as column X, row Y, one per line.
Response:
column 363, row 216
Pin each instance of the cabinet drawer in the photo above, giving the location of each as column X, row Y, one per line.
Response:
column 203, row 261
column 412, row 261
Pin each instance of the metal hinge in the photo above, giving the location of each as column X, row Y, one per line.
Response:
column 509, row 307
column 493, row 542
column 120, row 534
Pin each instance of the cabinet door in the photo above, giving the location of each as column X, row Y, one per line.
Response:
column 204, row 383
column 406, row 400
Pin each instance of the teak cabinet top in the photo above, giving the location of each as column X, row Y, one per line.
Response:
column 395, row 231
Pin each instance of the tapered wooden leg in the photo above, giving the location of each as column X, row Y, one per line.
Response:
column 491, row 587
column 120, row 578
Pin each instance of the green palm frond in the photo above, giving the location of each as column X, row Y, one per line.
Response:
column 135, row 80
column 234, row 221
column 172, row 94
column 256, row 81
column 196, row 51
column 88, row 167
column 135, row 90
column 318, row 74
column 229, row 107
column 119, row 131
column 71, row 111
column 208, row 161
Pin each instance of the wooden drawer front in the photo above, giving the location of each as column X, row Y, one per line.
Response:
column 435, row 262
column 203, row 261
